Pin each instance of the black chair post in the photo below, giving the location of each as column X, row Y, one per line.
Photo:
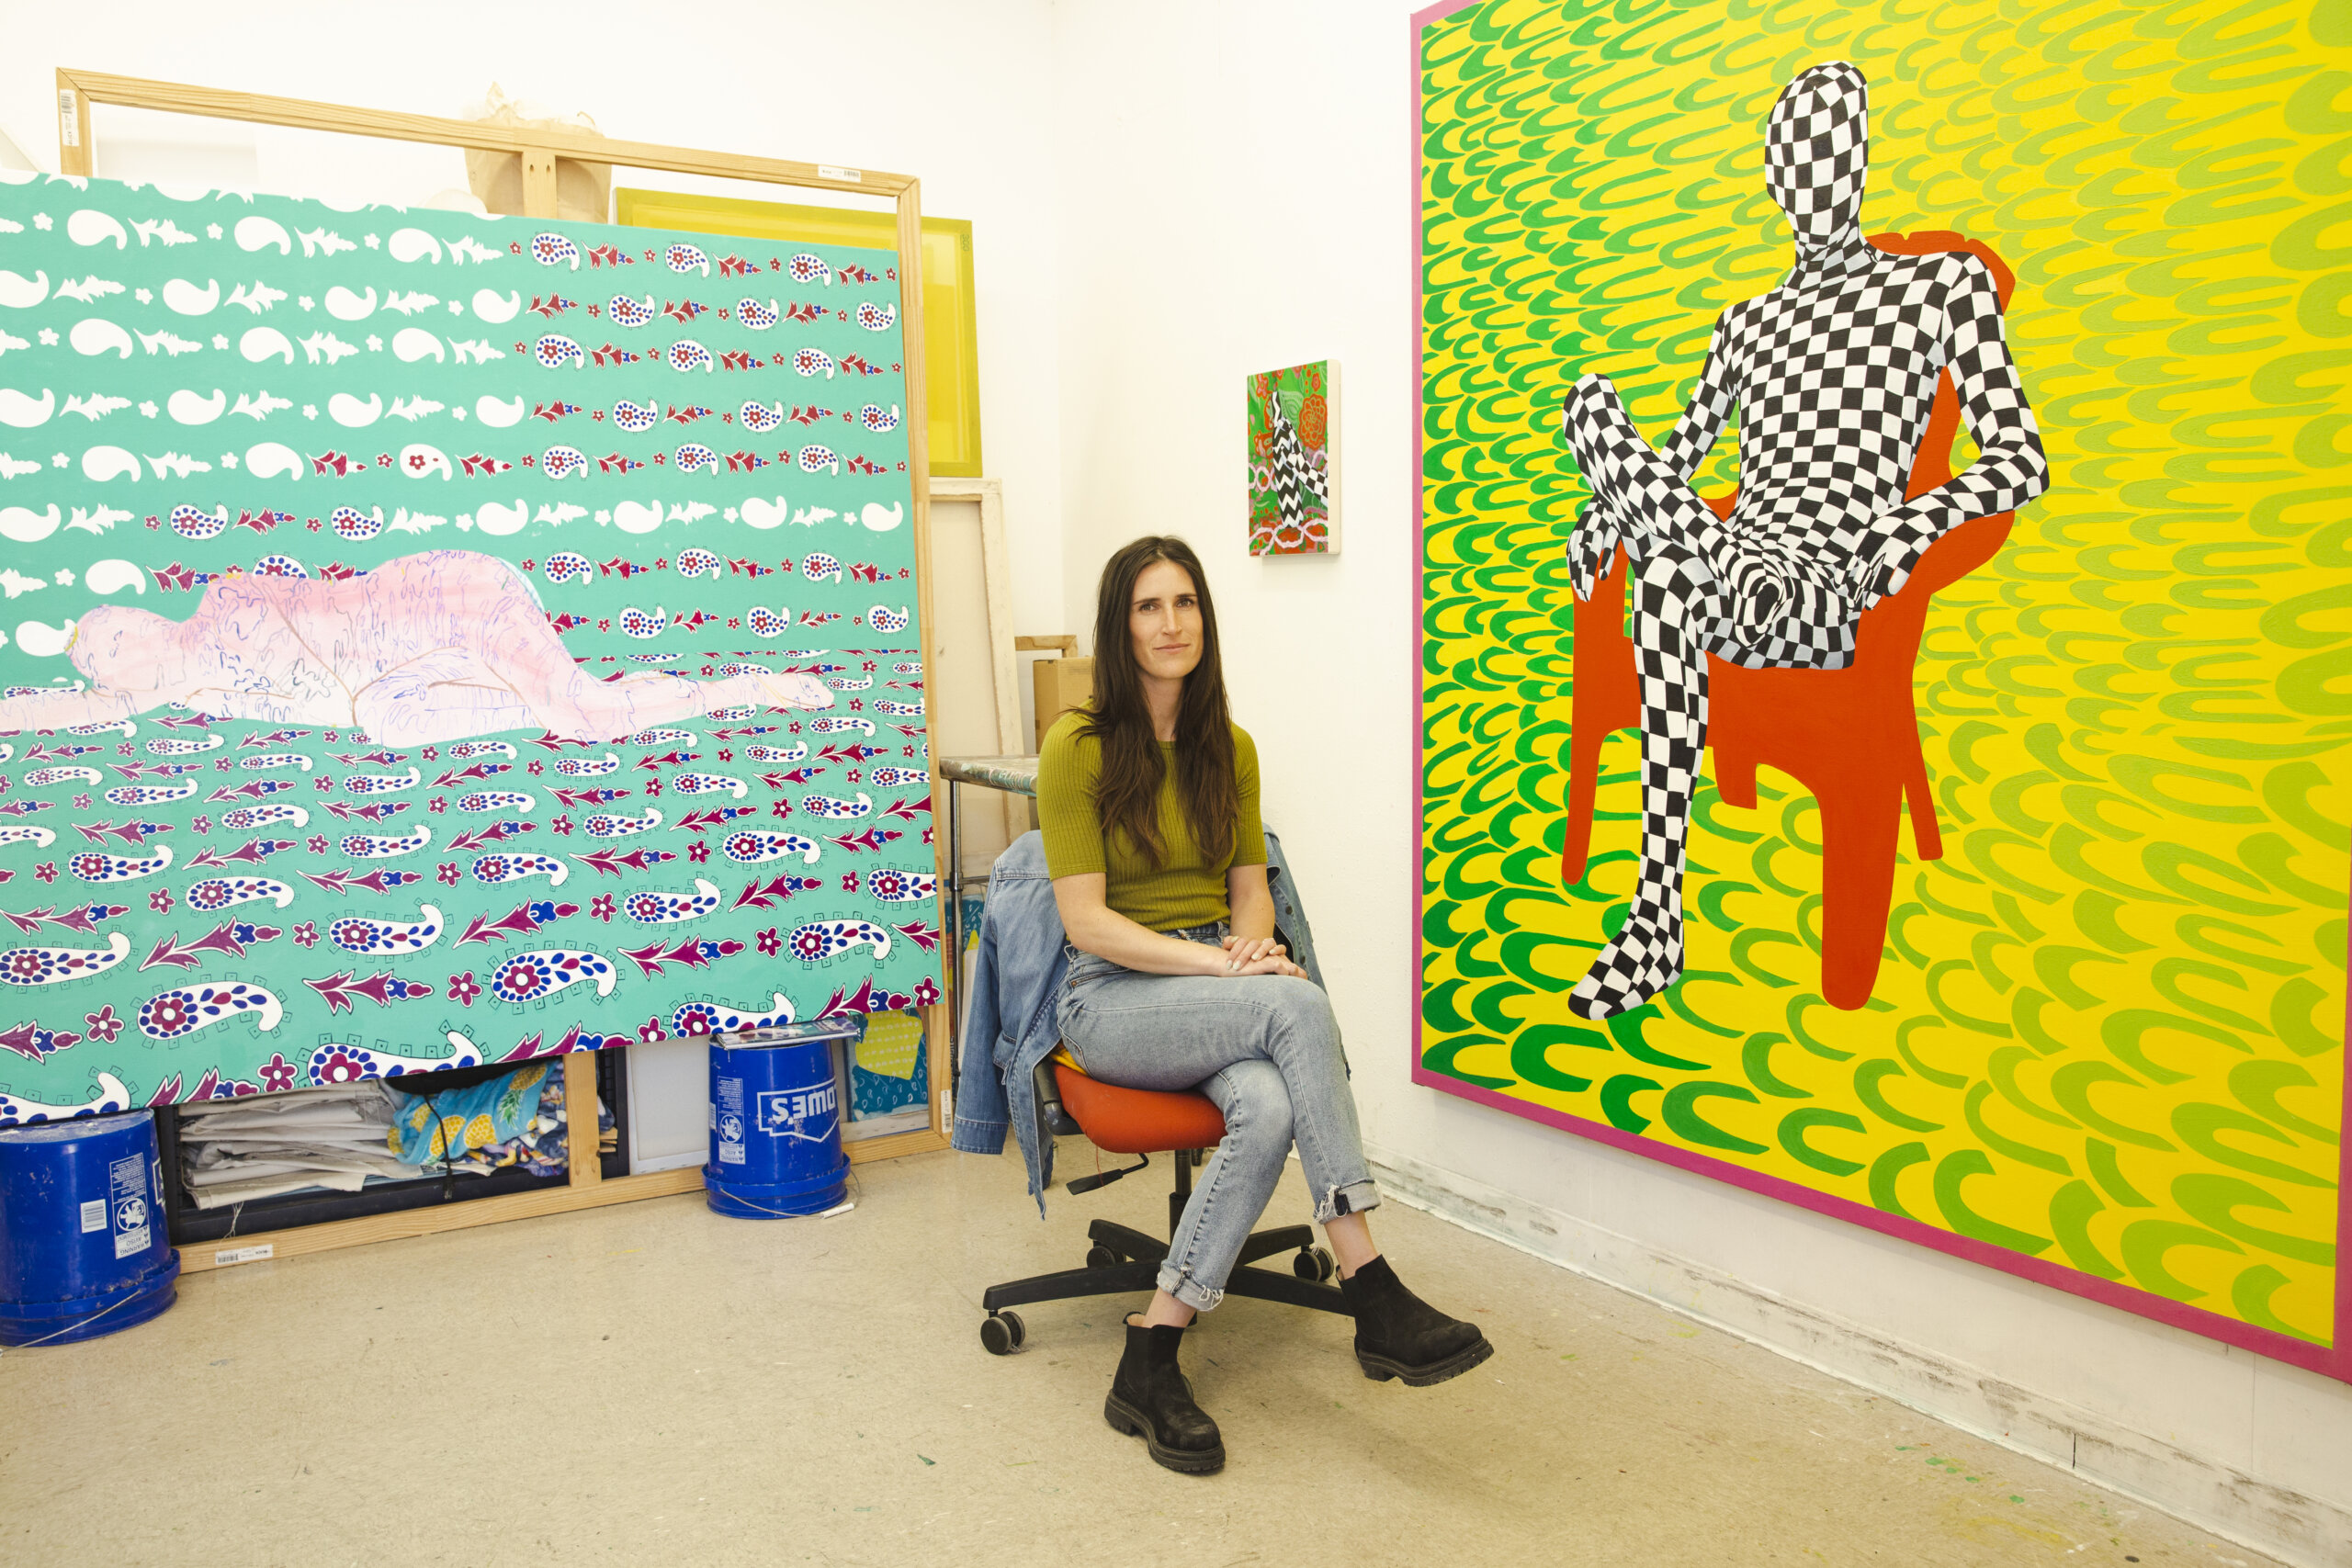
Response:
column 1120, row 1260
column 1183, row 1193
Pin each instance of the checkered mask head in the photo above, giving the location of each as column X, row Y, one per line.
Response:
column 1816, row 153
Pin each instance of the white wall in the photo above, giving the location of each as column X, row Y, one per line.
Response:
column 967, row 108
column 1166, row 199
column 1237, row 180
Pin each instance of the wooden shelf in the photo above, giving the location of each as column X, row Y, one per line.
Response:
column 440, row 1217
column 207, row 1256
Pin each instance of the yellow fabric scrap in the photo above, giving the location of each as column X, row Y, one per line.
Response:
column 891, row 1040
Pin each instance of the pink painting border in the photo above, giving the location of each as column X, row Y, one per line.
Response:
column 2334, row 1362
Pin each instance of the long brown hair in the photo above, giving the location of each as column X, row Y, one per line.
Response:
column 1126, row 792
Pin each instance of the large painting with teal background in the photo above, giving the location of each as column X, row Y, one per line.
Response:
column 497, row 476
column 2102, row 1043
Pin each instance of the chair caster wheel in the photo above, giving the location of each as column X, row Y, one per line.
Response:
column 1313, row 1263
column 1002, row 1333
column 1100, row 1256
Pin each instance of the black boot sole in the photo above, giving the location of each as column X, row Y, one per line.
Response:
column 1125, row 1418
column 1380, row 1369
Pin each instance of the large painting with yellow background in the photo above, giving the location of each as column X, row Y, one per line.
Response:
column 2100, row 1041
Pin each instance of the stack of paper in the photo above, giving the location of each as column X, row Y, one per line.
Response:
column 233, row 1151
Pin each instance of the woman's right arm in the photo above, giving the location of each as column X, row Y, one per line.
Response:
column 1093, row 926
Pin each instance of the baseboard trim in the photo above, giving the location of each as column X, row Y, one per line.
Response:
column 2307, row 1531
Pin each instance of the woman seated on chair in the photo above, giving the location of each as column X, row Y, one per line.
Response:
column 1148, row 803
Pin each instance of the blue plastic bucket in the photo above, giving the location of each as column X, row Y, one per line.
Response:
column 775, row 1129
column 83, row 1246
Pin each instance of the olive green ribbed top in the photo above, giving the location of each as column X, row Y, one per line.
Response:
column 1186, row 890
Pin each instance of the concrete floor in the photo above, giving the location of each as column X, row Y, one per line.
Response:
column 651, row 1384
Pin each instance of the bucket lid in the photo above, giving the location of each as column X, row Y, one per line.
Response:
column 66, row 1132
column 770, row 1035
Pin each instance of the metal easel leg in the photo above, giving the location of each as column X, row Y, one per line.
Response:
column 956, row 931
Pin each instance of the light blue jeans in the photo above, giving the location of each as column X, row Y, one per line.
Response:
column 1265, row 1049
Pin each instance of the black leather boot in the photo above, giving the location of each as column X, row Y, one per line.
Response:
column 1400, row 1336
column 1152, row 1396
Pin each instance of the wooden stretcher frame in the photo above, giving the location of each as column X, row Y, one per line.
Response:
column 77, row 90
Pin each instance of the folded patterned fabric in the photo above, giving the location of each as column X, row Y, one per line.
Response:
column 431, row 1128
column 517, row 1120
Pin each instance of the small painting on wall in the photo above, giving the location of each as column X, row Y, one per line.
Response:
column 1293, row 461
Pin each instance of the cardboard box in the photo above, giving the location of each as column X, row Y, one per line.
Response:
column 1060, row 685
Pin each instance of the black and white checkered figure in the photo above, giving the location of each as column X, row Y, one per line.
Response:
column 1834, row 373
column 1294, row 479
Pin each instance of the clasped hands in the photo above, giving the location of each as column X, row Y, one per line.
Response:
column 1258, row 955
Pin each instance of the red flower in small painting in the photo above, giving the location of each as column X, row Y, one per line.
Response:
column 102, row 1024
column 465, row 988
column 278, row 1074
column 651, row 1030
column 770, row 943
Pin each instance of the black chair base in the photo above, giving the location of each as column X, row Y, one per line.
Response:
column 1121, row 1259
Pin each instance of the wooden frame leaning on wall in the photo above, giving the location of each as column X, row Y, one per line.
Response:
column 539, row 149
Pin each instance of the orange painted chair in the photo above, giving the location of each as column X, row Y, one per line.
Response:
column 1852, row 735
column 1120, row 1260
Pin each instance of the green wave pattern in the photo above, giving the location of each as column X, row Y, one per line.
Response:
column 2107, row 1030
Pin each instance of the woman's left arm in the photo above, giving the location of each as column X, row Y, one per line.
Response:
column 1249, row 901
column 1253, row 917
column 1252, row 901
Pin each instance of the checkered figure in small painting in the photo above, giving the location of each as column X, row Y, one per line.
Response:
column 1294, row 479
column 1834, row 373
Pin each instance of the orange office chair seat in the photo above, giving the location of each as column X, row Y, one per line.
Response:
column 1119, row 1259
column 1137, row 1120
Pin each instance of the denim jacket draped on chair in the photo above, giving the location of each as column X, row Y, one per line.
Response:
column 1016, row 986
